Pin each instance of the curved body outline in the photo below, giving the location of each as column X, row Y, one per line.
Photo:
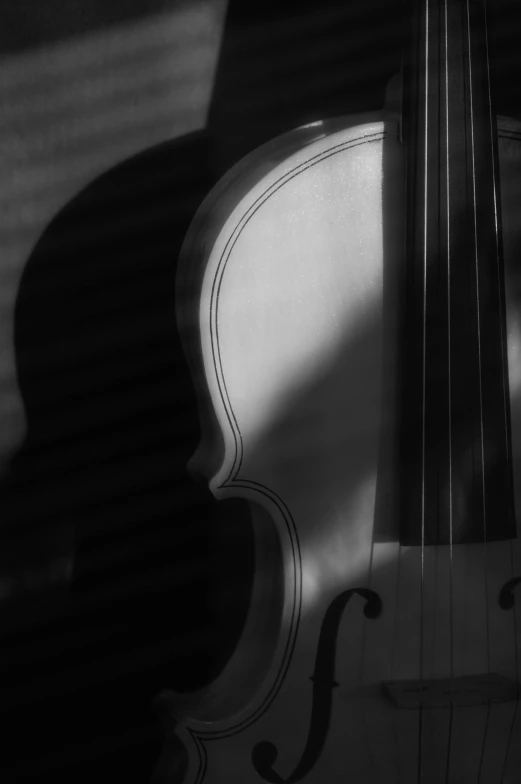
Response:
column 208, row 716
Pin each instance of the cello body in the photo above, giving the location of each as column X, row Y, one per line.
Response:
column 289, row 298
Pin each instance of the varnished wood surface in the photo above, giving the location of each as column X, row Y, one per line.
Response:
column 276, row 324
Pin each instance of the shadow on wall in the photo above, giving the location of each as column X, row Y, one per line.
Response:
column 110, row 555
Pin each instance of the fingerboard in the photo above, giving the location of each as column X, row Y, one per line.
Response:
column 456, row 471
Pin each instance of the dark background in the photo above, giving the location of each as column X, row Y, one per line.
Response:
column 160, row 577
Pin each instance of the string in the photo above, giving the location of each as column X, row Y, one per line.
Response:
column 502, row 352
column 496, row 223
column 422, row 568
column 487, row 622
column 480, row 372
column 449, row 382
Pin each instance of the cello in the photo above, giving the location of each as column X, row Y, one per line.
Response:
column 349, row 303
